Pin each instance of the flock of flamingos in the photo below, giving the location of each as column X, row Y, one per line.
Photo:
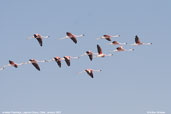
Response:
column 88, row 53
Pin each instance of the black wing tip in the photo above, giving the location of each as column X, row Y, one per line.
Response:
column 108, row 39
column 98, row 46
column 136, row 36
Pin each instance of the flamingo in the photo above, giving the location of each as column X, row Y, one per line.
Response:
column 90, row 54
column 90, row 72
column 39, row 38
column 58, row 60
column 100, row 53
column 72, row 37
column 35, row 63
column 117, row 43
column 11, row 63
column 108, row 37
column 120, row 48
column 138, row 42
column 68, row 59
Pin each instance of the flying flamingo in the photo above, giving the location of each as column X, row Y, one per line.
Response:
column 100, row 53
column 108, row 37
column 90, row 72
column 68, row 59
column 58, row 60
column 120, row 48
column 72, row 37
column 117, row 43
column 39, row 38
column 11, row 63
column 35, row 63
column 138, row 42
column 90, row 54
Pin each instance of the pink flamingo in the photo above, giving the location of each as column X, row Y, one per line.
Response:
column 39, row 38
column 100, row 53
column 68, row 59
column 58, row 60
column 138, row 42
column 11, row 63
column 35, row 63
column 117, row 43
column 90, row 54
column 72, row 37
column 108, row 37
column 90, row 72
column 120, row 48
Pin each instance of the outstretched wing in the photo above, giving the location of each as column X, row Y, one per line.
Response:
column 99, row 49
column 36, row 66
column 67, row 61
column 40, row 41
column 107, row 37
column 90, row 74
column 90, row 57
column 74, row 39
column 137, row 40
column 13, row 64
column 58, row 62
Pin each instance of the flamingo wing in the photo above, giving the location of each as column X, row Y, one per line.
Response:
column 74, row 39
column 40, row 41
column 13, row 64
column 107, row 37
column 90, row 73
column 90, row 56
column 36, row 66
column 58, row 61
column 99, row 49
column 115, row 42
column 69, row 34
column 137, row 40
column 67, row 61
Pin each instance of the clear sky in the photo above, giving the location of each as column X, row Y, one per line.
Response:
column 130, row 82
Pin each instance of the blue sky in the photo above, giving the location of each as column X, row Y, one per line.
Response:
column 130, row 82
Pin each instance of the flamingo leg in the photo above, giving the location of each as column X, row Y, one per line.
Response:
column 45, row 37
column 66, row 37
column 114, row 36
column 78, row 36
column 75, row 57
